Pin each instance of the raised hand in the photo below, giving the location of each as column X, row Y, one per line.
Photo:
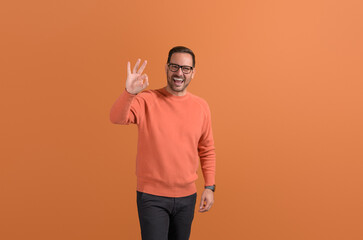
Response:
column 136, row 81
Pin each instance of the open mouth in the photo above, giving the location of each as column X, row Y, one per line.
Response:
column 178, row 81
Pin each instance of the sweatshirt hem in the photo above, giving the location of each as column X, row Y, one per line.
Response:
column 161, row 189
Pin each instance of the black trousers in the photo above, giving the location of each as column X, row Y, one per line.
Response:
column 165, row 218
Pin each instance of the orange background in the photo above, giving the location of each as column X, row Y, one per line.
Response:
column 283, row 80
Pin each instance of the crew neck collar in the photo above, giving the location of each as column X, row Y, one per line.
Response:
column 172, row 96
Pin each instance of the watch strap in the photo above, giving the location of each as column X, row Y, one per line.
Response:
column 213, row 187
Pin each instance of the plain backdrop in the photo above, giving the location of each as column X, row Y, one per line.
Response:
column 283, row 80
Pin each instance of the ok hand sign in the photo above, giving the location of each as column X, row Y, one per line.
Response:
column 136, row 81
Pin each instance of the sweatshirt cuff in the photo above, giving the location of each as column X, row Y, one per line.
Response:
column 129, row 93
column 209, row 180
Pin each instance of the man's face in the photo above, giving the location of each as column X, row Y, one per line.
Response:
column 178, row 81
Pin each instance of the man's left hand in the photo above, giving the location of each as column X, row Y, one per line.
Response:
column 207, row 200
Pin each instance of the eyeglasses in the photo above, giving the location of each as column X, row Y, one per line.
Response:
column 175, row 67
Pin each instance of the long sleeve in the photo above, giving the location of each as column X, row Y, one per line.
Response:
column 174, row 133
column 206, row 151
column 123, row 110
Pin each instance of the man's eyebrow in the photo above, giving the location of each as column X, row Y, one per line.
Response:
column 180, row 65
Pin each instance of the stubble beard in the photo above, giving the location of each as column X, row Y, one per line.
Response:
column 175, row 89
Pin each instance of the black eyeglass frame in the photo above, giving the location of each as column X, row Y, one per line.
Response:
column 182, row 68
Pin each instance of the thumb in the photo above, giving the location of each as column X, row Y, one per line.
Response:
column 202, row 202
column 146, row 81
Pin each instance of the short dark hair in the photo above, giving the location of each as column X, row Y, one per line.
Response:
column 181, row 49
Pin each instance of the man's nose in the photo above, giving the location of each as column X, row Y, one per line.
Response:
column 180, row 72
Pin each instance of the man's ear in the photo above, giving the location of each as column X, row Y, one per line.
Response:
column 166, row 68
column 193, row 73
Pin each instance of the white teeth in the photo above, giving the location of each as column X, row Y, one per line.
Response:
column 178, row 79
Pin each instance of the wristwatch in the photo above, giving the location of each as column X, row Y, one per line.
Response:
column 213, row 188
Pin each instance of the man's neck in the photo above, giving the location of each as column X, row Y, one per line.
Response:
column 179, row 94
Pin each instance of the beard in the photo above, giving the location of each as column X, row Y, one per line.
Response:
column 173, row 86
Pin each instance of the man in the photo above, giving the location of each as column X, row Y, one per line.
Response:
column 174, row 129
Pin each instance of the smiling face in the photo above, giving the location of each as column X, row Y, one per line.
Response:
column 179, row 81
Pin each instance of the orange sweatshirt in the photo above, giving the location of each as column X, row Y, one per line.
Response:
column 173, row 132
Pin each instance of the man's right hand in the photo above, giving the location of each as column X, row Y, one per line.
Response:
column 136, row 81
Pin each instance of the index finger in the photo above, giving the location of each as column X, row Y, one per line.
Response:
column 142, row 67
column 202, row 202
